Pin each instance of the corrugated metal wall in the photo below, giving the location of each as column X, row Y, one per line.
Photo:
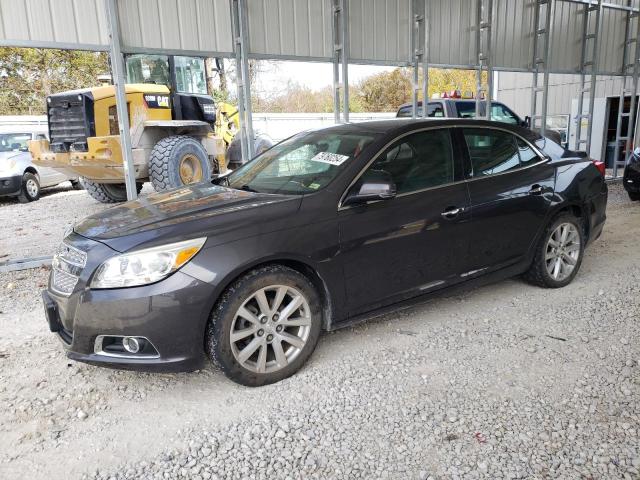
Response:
column 290, row 28
column 44, row 22
column 452, row 32
column 379, row 30
column 514, row 89
column 192, row 25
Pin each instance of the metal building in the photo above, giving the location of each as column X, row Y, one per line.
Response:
column 588, row 38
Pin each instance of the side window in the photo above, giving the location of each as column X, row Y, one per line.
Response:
column 435, row 110
column 500, row 113
column 494, row 151
column 41, row 136
column 404, row 112
column 527, row 155
column 418, row 161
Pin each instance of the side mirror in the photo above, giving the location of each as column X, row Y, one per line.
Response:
column 373, row 185
column 527, row 122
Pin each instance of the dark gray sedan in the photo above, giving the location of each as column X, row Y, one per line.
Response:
column 322, row 230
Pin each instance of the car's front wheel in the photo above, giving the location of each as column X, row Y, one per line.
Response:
column 30, row 189
column 265, row 326
column 559, row 254
column 634, row 196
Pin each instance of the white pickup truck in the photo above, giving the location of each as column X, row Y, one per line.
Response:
column 19, row 177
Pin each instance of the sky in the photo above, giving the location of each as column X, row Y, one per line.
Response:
column 274, row 76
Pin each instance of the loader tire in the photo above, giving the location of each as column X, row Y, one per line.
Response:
column 177, row 161
column 108, row 192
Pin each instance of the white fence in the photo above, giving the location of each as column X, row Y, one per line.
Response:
column 278, row 126
column 282, row 125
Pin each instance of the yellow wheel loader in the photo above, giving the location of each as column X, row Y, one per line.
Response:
column 177, row 133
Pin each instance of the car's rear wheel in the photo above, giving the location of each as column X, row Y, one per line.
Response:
column 30, row 189
column 265, row 326
column 634, row 196
column 559, row 253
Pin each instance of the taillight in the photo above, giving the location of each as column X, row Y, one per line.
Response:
column 600, row 166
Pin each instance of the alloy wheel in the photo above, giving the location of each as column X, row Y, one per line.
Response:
column 563, row 251
column 270, row 329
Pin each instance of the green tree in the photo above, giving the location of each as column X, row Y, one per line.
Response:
column 29, row 75
column 385, row 91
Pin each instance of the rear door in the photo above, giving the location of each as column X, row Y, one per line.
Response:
column 399, row 248
column 511, row 187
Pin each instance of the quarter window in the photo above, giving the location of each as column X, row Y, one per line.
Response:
column 494, row 151
column 418, row 161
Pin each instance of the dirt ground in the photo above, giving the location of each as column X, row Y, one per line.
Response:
column 548, row 379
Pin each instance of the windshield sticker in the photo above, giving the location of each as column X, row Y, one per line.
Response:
column 330, row 158
column 314, row 186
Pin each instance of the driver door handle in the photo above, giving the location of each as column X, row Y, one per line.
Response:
column 452, row 212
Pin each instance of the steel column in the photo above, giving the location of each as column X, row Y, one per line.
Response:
column 589, row 60
column 418, row 46
column 542, row 36
column 243, row 80
column 484, row 40
column 117, row 68
column 425, row 61
column 629, row 60
column 340, row 36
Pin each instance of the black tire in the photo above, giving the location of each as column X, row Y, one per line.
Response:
column 30, row 188
column 76, row 184
column 166, row 157
column 261, row 144
column 107, row 192
column 217, row 340
column 634, row 196
column 233, row 154
column 538, row 273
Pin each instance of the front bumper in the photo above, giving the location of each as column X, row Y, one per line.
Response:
column 172, row 314
column 10, row 185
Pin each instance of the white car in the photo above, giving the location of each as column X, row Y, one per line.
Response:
column 18, row 175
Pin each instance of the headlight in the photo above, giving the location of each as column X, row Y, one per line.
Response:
column 145, row 266
column 7, row 166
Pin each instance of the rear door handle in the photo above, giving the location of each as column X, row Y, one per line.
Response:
column 452, row 212
column 536, row 189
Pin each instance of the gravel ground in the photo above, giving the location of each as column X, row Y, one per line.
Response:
column 57, row 208
column 505, row 381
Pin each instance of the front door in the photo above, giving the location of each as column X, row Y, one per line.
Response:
column 510, row 187
column 399, row 248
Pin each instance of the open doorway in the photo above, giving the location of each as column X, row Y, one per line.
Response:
column 611, row 123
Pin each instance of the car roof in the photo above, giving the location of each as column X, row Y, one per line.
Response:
column 394, row 126
column 454, row 100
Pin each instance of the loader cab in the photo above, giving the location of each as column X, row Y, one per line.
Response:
column 185, row 78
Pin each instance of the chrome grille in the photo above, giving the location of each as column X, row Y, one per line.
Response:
column 67, row 264
column 72, row 255
column 64, row 282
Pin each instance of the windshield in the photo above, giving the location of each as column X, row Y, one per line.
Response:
column 14, row 142
column 302, row 164
column 499, row 112
column 148, row 69
column 190, row 76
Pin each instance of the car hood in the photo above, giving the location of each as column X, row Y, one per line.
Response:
column 200, row 209
column 9, row 155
